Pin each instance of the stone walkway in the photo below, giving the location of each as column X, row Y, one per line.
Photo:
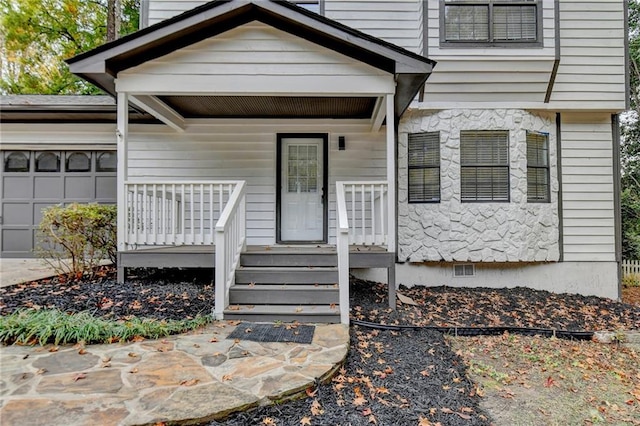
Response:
column 198, row 376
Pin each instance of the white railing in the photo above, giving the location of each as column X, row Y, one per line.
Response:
column 361, row 211
column 174, row 212
column 630, row 267
column 230, row 242
column 367, row 208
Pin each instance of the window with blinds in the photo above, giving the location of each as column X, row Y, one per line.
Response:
column 484, row 166
column 538, row 168
column 490, row 21
column 424, row 167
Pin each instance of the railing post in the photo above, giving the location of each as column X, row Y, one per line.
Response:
column 220, row 275
column 343, row 253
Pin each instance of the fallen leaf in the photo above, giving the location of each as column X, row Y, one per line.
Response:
column 41, row 371
column 213, row 340
column 359, row 401
column 549, row 382
column 190, row 382
column 226, row 378
column 406, row 300
column 53, row 349
column 366, row 411
column 305, row 421
column 316, row 408
column 82, row 351
column 311, row 392
column 79, row 376
column 133, row 355
column 133, row 371
column 268, row 421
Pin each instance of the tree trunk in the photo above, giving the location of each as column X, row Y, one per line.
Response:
column 113, row 19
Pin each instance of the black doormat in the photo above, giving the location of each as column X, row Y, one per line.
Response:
column 273, row 332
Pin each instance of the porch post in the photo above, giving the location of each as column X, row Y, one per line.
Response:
column 391, row 174
column 122, row 134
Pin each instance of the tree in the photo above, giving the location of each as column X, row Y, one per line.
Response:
column 37, row 35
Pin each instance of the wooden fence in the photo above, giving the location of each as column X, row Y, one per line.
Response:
column 630, row 267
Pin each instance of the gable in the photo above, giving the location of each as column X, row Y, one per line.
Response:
column 256, row 58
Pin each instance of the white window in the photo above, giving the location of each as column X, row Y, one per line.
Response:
column 424, row 167
column 484, row 165
column 538, row 167
column 490, row 21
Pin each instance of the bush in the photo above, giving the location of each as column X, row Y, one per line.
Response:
column 631, row 280
column 74, row 239
column 29, row 326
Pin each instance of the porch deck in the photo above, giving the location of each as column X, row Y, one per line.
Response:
column 306, row 275
column 203, row 256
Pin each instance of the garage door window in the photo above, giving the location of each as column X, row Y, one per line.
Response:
column 106, row 161
column 48, row 162
column 78, row 162
column 16, row 162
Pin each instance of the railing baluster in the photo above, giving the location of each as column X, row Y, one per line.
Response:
column 373, row 214
column 363, row 213
column 383, row 224
column 211, row 210
column 183, row 202
column 201, row 237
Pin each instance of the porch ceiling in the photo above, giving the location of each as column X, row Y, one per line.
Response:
column 271, row 106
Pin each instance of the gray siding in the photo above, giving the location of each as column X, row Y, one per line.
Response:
column 587, row 188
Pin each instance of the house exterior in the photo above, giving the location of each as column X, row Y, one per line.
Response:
column 444, row 141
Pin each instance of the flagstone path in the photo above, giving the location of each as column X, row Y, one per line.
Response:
column 193, row 377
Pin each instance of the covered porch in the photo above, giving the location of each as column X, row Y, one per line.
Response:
column 279, row 131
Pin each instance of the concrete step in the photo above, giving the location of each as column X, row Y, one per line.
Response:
column 299, row 294
column 284, row 313
column 283, row 258
column 286, row 275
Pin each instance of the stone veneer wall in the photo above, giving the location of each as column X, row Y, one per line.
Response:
column 516, row 231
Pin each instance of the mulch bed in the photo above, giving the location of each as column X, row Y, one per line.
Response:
column 160, row 294
column 485, row 307
column 390, row 377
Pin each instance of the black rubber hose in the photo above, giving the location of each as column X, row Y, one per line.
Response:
column 484, row 331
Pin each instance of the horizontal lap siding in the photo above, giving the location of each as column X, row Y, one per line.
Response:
column 259, row 58
column 482, row 74
column 592, row 55
column 247, row 151
column 587, row 187
column 50, row 136
column 398, row 22
column 159, row 10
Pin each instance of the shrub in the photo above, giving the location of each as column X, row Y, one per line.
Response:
column 631, row 280
column 29, row 326
column 74, row 239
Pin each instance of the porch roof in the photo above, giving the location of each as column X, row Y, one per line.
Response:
column 101, row 65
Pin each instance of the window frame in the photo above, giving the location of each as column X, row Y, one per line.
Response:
column 547, row 198
column 303, row 4
column 494, row 166
column 40, row 154
column 69, row 154
column 516, row 44
column 423, row 167
column 9, row 154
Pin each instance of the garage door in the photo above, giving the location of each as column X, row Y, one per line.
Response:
column 33, row 180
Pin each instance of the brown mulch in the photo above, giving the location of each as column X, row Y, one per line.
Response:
column 631, row 295
column 488, row 307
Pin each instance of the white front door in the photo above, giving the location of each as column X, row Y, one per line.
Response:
column 302, row 189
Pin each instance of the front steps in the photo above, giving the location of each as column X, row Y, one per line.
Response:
column 286, row 286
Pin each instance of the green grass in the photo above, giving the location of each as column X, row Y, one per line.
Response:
column 29, row 326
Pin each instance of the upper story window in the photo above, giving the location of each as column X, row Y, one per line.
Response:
column 490, row 22
column 312, row 5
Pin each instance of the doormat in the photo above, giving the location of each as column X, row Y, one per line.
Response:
column 285, row 333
